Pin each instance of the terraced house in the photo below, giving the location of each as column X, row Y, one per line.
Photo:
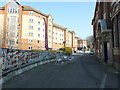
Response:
column 25, row 28
column 106, row 29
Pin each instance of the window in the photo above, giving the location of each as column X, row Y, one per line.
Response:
column 10, row 10
column 30, row 34
column 7, row 26
column 38, row 48
column 38, row 22
column 43, row 30
column 17, row 41
column 43, row 36
column 6, row 33
column 13, row 10
column 17, row 34
column 17, row 27
column 38, row 35
column 30, row 27
column 31, row 13
column 38, row 41
column 18, row 10
column 8, row 20
column 30, row 47
column 39, row 16
column 49, row 31
column 56, row 38
column 30, row 41
column 38, row 28
column 31, row 20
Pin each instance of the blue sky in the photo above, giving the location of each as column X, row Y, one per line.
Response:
column 75, row 16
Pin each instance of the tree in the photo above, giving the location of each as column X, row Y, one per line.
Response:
column 89, row 41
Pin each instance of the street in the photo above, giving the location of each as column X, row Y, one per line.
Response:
column 84, row 71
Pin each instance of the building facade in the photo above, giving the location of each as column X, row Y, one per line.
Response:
column 76, row 43
column 82, row 44
column 25, row 28
column 58, row 36
column 115, row 18
column 106, row 31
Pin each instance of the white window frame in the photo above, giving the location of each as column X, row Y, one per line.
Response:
column 31, row 27
column 30, row 34
column 30, row 41
column 38, row 28
column 38, row 35
column 39, row 41
column 31, row 13
column 30, row 47
column 39, row 16
column 38, row 48
column 38, row 22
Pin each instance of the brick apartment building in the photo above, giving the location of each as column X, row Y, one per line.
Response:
column 82, row 43
column 106, row 32
column 25, row 28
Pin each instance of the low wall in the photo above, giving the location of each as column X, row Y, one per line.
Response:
column 14, row 62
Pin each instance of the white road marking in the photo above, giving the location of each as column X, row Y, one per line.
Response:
column 103, row 81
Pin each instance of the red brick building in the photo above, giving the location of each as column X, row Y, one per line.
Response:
column 106, row 30
column 115, row 17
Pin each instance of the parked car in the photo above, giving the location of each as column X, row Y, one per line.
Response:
column 91, row 52
column 65, row 50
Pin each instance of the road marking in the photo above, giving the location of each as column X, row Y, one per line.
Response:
column 103, row 81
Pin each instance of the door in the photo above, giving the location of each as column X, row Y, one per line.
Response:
column 105, row 52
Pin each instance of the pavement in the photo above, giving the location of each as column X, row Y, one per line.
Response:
column 84, row 71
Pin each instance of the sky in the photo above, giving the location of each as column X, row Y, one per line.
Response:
column 76, row 16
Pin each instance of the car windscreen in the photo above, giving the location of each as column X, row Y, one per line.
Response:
column 62, row 49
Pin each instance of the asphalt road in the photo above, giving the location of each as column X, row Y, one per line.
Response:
column 84, row 71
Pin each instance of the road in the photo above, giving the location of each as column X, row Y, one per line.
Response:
column 85, row 71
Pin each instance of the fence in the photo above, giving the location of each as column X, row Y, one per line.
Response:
column 11, row 60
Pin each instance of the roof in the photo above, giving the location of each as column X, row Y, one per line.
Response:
column 32, row 9
column 14, row 1
column 29, row 9
column 58, row 26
